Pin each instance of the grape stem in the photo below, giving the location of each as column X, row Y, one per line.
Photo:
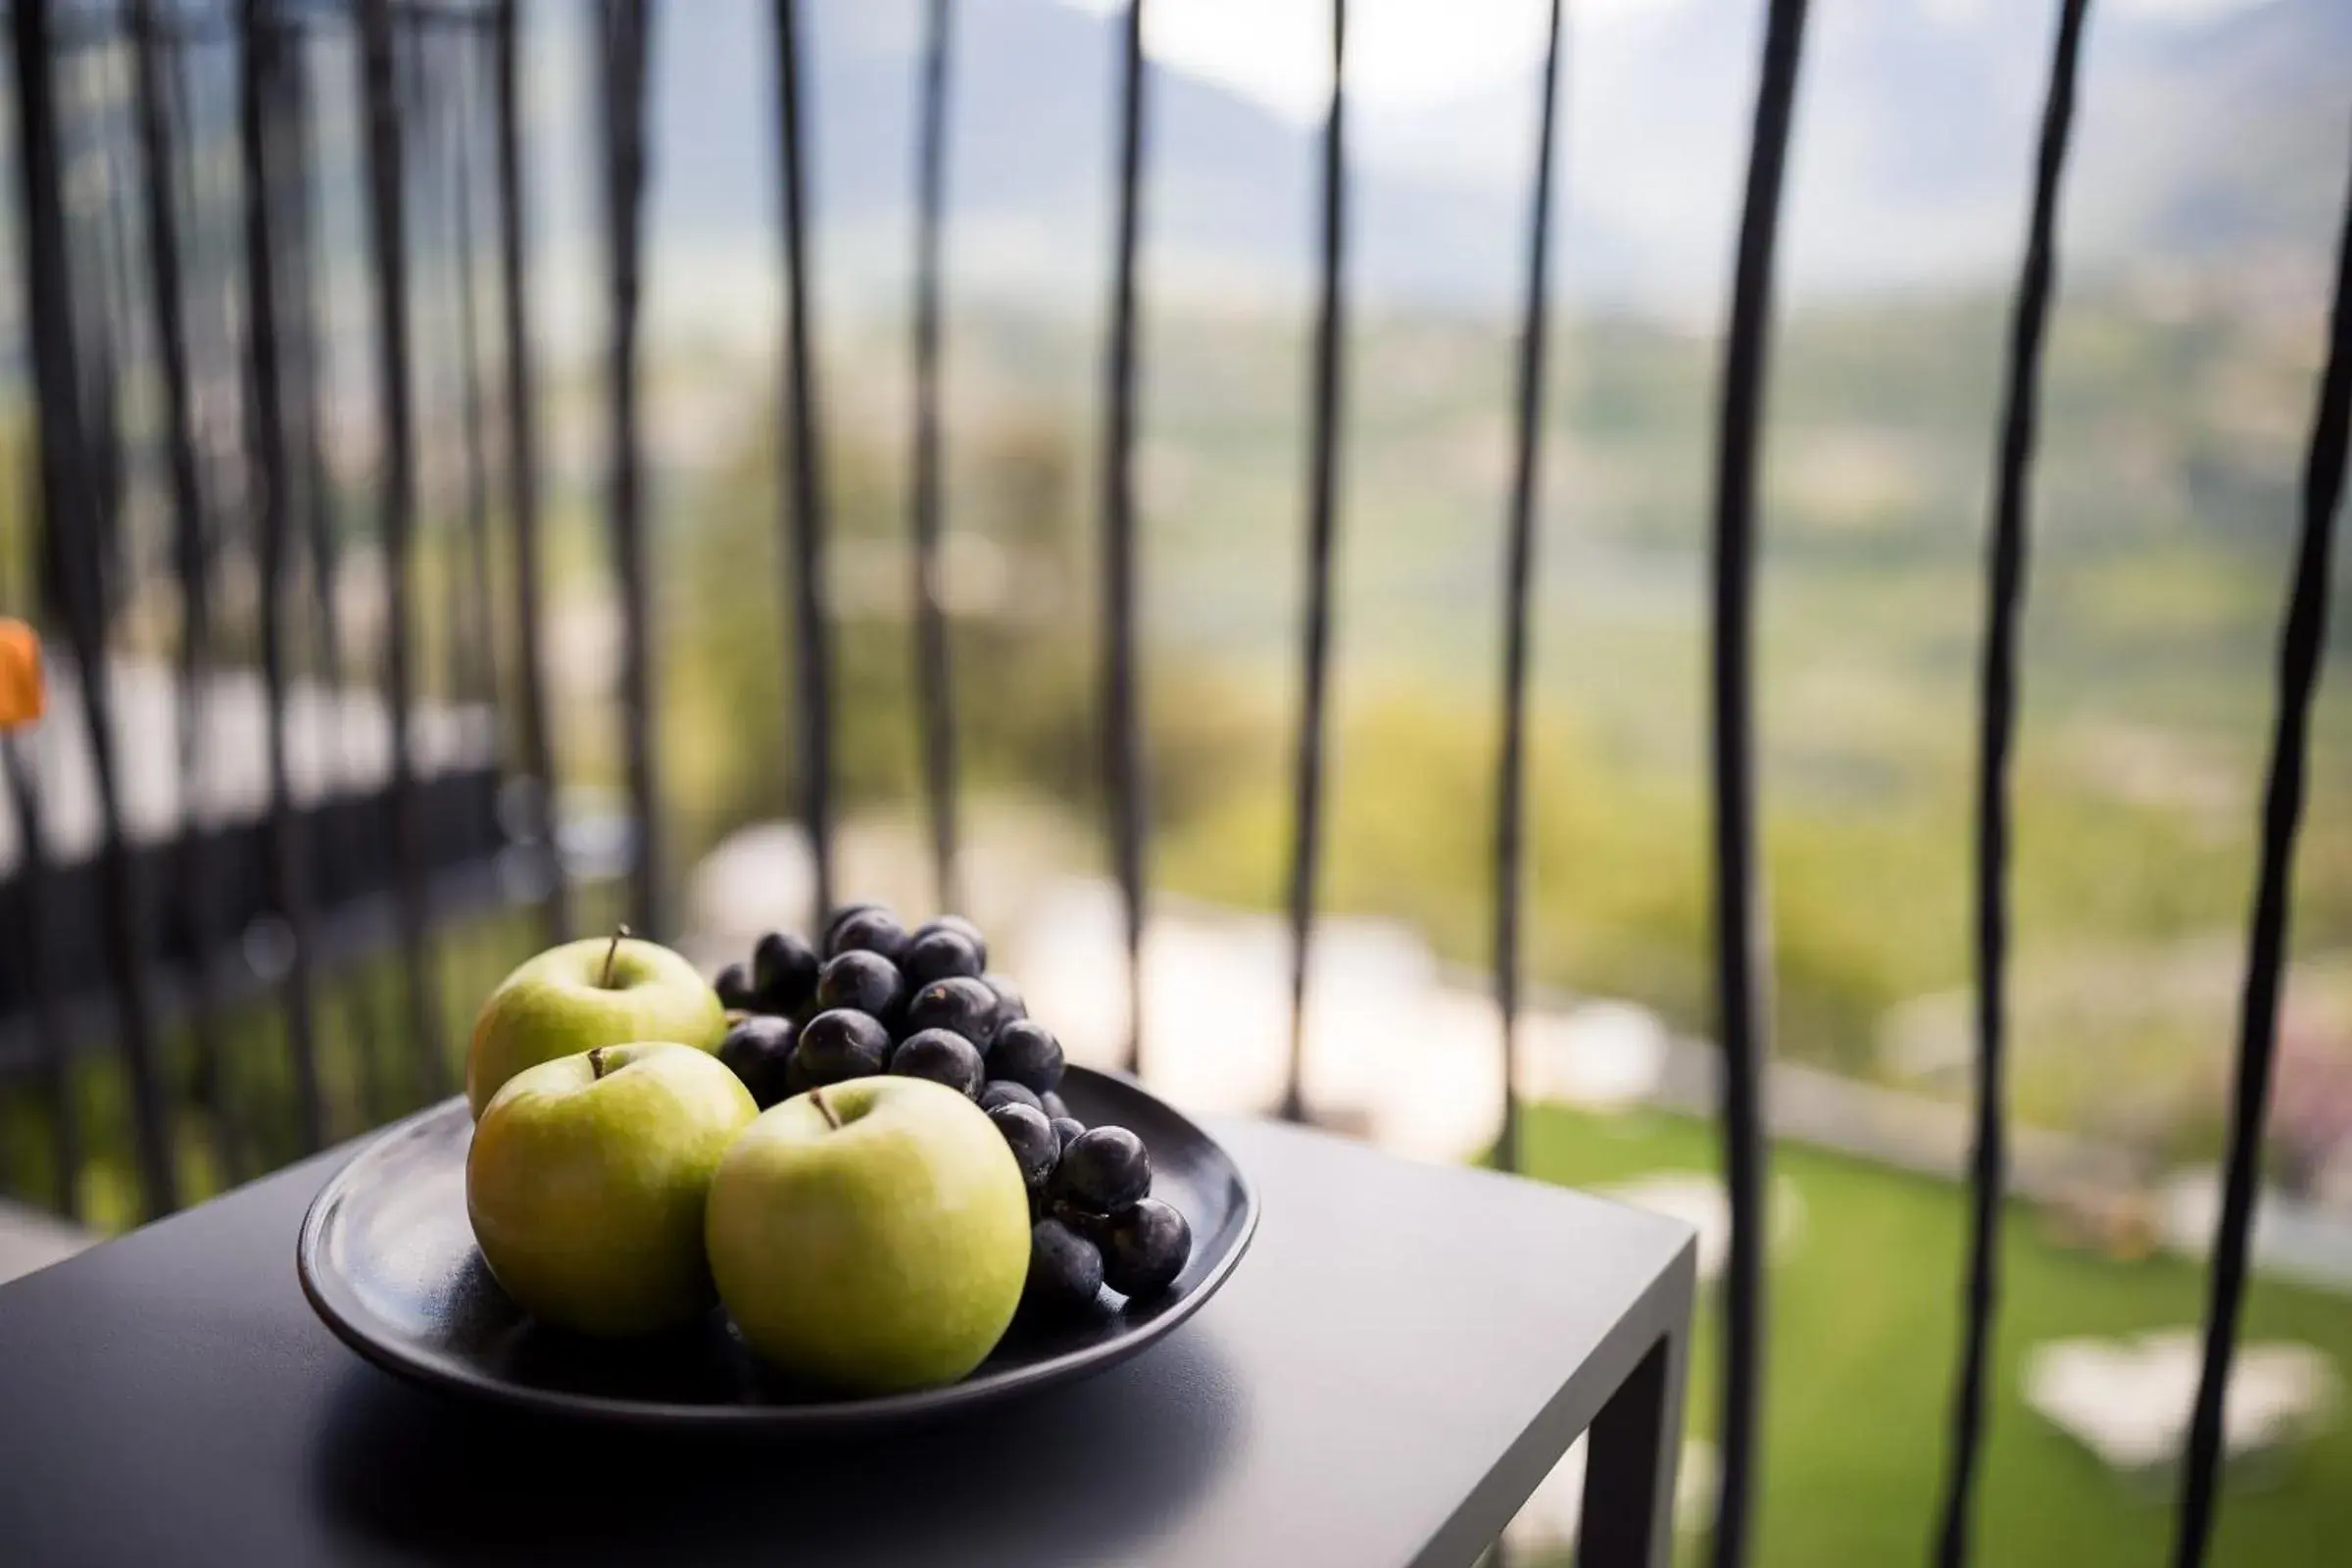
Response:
column 816, row 1097
column 596, row 1061
column 612, row 952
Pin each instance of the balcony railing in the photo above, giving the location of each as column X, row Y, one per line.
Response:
column 126, row 219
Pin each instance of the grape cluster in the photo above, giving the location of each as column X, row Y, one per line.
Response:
column 923, row 1003
column 1099, row 1223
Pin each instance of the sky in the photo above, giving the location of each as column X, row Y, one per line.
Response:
column 1402, row 52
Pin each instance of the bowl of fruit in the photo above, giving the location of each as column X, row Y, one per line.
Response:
column 848, row 1183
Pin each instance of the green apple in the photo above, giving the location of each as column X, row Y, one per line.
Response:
column 587, row 1180
column 871, row 1236
column 604, row 990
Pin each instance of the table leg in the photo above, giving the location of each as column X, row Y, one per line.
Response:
column 1630, row 1464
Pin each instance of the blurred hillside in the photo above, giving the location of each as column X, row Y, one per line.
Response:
column 1912, row 143
column 2164, row 512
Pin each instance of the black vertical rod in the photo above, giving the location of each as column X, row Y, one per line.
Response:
column 627, row 37
column 2005, row 576
column 102, row 340
column 423, row 99
column 387, row 239
column 28, row 896
column 108, row 351
column 453, row 111
column 69, row 523
column 432, row 110
column 522, row 465
column 210, row 323
column 481, row 637
column 936, row 708
column 267, row 464
column 1314, row 659
column 342, row 854
column 1519, row 570
column 31, row 934
column 191, row 848
column 803, row 474
column 2302, row 640
column 1739, row 960
column 1122, row 715
column 468, row 44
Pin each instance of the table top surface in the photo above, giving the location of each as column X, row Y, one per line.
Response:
column 1405, row 1353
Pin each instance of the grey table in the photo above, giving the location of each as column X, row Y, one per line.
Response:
column 1404, row 1353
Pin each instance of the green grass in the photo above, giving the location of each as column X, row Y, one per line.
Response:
column 1863, row 1324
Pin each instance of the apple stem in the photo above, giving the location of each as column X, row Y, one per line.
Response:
column 612, row 952
column 816, row 1097
column 596, row 1061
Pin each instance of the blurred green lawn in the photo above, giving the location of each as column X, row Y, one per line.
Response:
column 1863, row 1323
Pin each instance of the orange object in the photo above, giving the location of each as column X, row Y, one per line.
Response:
column 22, row 698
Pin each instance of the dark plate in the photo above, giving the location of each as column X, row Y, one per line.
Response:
column 387, row 1259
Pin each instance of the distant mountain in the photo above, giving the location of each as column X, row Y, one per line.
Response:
column 1230, row 191
column 1914, row 139
column 2228, row 134
column 1913, row 144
